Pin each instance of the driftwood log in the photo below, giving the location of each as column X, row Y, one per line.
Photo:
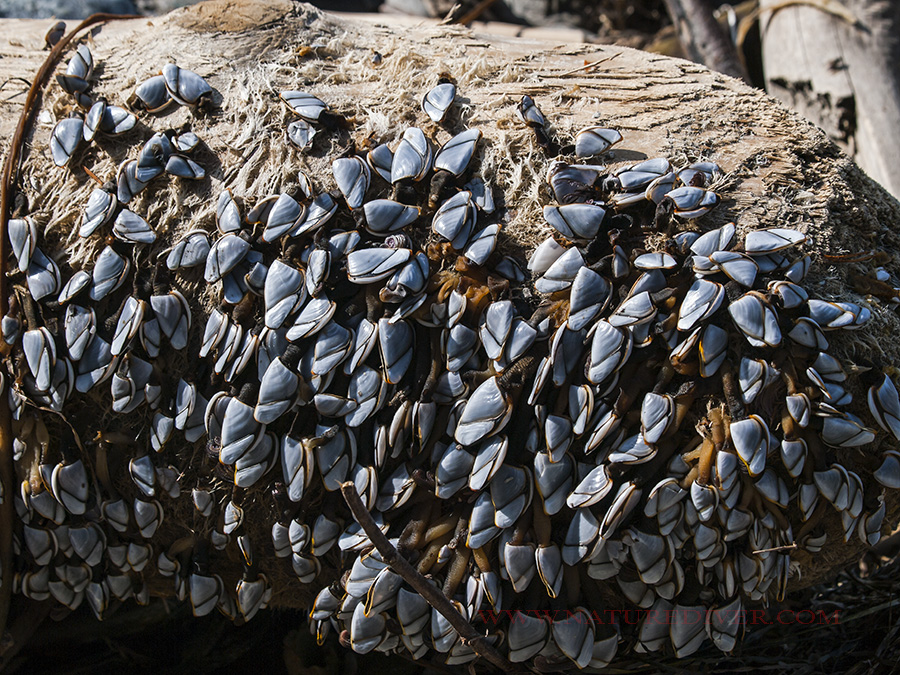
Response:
column 836, row 63
column 779, row 171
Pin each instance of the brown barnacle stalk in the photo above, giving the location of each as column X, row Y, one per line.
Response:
column 665, row 375
column 103, row 441
column 684, row 401
column 432, row 595
column 30, row 312
column 868, row 285
column 732, row 392
column 414, row 534
column 432, row 551
column 460, row 558
column 551, row 308
column 711, row 445
column 541, row 523
column 482, row 557
column 637, row 380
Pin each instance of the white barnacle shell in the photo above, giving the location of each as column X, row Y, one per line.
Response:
column 846, row 431
column 40, row 355
column 455, row 219
column 78, row 71
column 561, row 274
column 833, row 315
column 583, row 529
column 610, row 348
column 455, row 155
column 81, row 326
column 657, row 413
column 184, row 167
column 283, row 292
column 42, row 275
column 496, row 327
column 116, row 121
column 527, row 636
column 714, row 240
column 528, row 112
column 660, row 187
column 189, row 251
column 151, row 161
column 486, row 413
column 739, row 267
column 700, row 302
column 380, row 158
column 23, row 237
column 127, row 183
column 554, row 480
column 300, row 133
column 129, row 323
column 884, row 404
column 395, row 341
column 518, row 559
column 756, row 319
column 511, row 492
column 312, row 318
column 384, row 216
column 282, row 217
column 655, row 261
column 99, row 210
column 205, row 592
column 790, row 295
column 592, row 489
column 771, row 240
column 635, row 310
column 751, row 439
column 548, row 560
column 110, row 270
column 637, row 177
column 888, row 473
column 65, row 138
column 438, row 100
column 77, row 283
column 305, row 105
column 185, row 86
column 595, row 141
column 589, row 296
column 692, row 202
column 807, row 332
column 575, row 221
column 482, row 244
column 687, row 629
column 352, row 176
column 544, row 256
column 152, row 94
column 240, row 431
column 224, row 256
column 132, row 228
column 412, row 159
column 574, row 636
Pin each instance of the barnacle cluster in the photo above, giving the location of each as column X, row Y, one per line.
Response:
column 648, row 415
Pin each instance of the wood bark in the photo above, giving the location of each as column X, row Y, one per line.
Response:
column 839, row 69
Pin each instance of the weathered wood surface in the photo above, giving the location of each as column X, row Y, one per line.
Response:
column 780, row 169
column 837, row 65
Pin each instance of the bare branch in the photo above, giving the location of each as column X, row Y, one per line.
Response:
column 432, row 595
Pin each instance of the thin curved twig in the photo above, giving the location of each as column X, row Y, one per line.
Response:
column 7, row 186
